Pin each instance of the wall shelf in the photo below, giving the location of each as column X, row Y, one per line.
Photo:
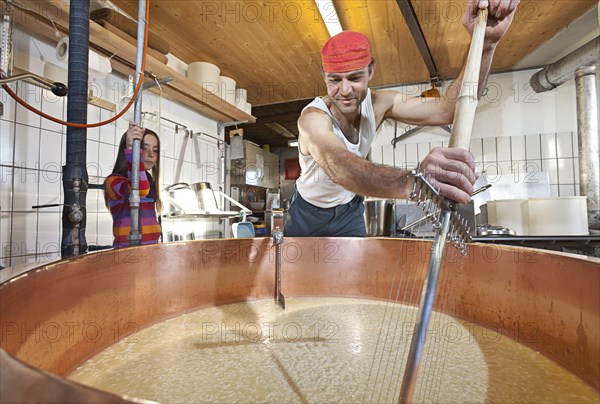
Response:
column 181, row 89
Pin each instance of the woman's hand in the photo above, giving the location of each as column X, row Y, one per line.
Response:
column 134, row 132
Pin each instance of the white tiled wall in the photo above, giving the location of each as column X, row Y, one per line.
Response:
column 554, row 153
column 32, row 152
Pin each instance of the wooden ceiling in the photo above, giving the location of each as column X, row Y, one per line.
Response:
column 271, row 48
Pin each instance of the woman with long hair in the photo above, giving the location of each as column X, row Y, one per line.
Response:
column 117, row 187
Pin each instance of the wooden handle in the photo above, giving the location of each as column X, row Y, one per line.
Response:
column 466, row 104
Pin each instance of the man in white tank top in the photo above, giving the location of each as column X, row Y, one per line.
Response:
column 336, row 132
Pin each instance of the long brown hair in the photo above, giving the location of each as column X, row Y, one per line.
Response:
column 121, row 166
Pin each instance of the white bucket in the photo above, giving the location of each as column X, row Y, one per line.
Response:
column 248, row 108
column 559, row 216
column 206, row 74
column 227, row 89
column 509, row 213
column 241, row 95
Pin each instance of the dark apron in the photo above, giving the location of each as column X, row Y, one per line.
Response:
column 307, row 220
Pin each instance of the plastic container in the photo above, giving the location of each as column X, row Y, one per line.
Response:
column 558, row 216
column 206, row 74
column 227, row 89
column 510, row 213
column 241, row 97
column 260, row 229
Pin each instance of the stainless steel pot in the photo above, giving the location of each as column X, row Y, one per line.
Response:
column 205, row 196
column 379, row 217
column 180, row 198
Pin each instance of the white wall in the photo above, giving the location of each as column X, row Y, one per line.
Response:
column 516, row 130
column 32, row 152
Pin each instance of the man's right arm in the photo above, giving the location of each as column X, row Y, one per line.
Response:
column 451, row 169
column 354, row 173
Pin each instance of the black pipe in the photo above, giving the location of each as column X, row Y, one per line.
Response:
column 75, row 177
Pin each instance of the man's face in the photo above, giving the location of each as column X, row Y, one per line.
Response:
column 348, row 90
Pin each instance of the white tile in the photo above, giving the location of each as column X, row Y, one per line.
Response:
column 48, row 236
column 505, row 168
column 63, row 157
column 554, row 191
column 533, row 166
column 24, row 233
column 49, row 188
column 576, row 171
column 489, row 150
column 106, row 159
column 492, row 169
column 25, row 191
column 32, row 95
column 551, row 167
column 566, row 171
column 423, row 150
column 533, row 147
column 9, row 104
column 27, row 146
column 564, row 145
column 93, row 116
column 566, row 190
column 575, row 140
column 400, row 155
column 7, row 141
column 387, row 155
column 104, row 228
column 518, row 166
column 517, row 147
column 503, row 148
column 186, row 172
column 92, row 157
column 94, row 200
column 6, row 188
column 476, row 149
column 53, row 106
column 196, row 174
column 105, row 240
column 549, row 146
column 412, row 154
column 167, row 142
column 91, row 228
column 51, row 151
column 433, row 145
column 167, row 171
column 376, row 154
column 5, row 230
column 109, row 132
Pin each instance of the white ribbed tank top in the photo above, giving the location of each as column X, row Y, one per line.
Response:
column 314, row 185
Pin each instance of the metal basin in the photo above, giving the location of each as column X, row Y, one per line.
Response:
column 55, row 317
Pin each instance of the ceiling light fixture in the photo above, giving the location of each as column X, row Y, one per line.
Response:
column 329, row 16
column 292, row 143
column 280, row 130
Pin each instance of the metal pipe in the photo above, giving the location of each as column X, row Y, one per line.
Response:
column 408, row 12
column 417, row 344
column 58, row 89
column 589, row 141
column 562, row 70
column 6, row 39
column 75, row 176
column 135, row 235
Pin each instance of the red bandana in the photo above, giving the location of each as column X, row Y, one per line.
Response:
column 345, row 52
